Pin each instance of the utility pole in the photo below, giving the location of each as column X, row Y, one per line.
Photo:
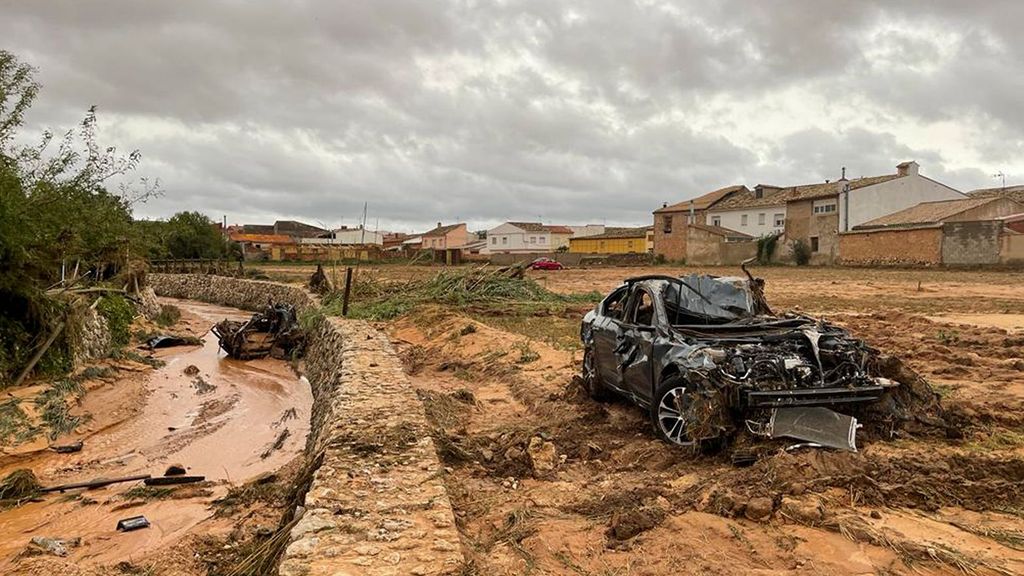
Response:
column 362, row 227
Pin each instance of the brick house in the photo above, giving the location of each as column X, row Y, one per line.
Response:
column 966, row 231
column 670, row 221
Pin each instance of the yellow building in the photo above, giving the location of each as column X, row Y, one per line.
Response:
column 615, row 241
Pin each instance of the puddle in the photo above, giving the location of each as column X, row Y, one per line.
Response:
column 220, row 423
column 1010, row 322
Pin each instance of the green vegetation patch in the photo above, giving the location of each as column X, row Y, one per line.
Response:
column 119, row 313
column 463, row 289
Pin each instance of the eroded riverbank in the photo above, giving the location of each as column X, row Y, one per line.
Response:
column 227, row 420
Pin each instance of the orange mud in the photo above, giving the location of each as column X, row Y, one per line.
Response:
column 546, row 481
column 219, row 423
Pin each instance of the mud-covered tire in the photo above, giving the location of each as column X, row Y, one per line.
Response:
column 591, row 383
column 669, row 413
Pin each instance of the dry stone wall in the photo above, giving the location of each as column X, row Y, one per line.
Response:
column 377, row 505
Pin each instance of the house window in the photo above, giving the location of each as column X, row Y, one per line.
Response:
column 504, row 239
column 543, row 240
column 666, row 224
column 825, row 208
column 716, row 220
column 494, row 240
column 780, row 220
column 743, row 220
column 533, row 239
column 760, row 219
column 814, row 243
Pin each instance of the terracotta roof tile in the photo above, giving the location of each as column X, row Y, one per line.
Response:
column 926, row 213
column 779, row 197
column 613, row 233
column 720, row 231
column 1015, row 193
column 702, row 202
column 442, row 231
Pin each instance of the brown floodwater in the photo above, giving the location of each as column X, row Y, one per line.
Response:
column 221, row 423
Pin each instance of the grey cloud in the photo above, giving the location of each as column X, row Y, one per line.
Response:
column 577, row 111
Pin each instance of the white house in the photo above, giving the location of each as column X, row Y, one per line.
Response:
column 345, row 236
column 757, row 212
column 526, row 237
column 817, row 211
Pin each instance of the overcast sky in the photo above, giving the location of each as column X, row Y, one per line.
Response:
column 566, row 112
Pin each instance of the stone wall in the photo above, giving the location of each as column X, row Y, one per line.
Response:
column 377, row 504
column 898, row 247
column 227, row 291
column 971, row 243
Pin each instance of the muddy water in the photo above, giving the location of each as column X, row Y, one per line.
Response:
column 221, row 423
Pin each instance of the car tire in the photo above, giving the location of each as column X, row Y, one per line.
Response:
column 591, row 382
column 669, row 415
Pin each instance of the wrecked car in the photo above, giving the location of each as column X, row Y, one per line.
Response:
column 274, row 331
column 707, row 357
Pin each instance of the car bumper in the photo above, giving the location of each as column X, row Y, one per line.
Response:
column 811, row 396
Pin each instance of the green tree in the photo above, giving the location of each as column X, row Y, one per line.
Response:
column 55, row 212
column 193, row 235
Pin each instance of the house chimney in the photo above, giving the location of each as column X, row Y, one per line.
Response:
column 909, row 168
column 438, row 224
column 664, row 204
column 844, row 173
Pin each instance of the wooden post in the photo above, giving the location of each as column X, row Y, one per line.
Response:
column 348, row 290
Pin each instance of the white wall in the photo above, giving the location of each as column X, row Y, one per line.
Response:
column 879, row 200
column 733, row 220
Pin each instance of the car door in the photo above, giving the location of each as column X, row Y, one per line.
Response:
column 607, row 333
column 636, row 345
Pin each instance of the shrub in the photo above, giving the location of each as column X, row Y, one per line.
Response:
column 801, row 252
column 766, row 248
column 119, row 314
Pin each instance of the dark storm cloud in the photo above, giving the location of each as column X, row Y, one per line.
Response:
column 570, row 111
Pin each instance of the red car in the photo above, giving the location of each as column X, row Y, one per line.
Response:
column 546, row 264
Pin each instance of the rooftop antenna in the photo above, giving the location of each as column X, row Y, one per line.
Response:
column 844, row 172
column 1001, row 176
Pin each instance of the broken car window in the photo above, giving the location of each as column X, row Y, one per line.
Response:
column 615, row 304
column 643, row 308
column 697, row 299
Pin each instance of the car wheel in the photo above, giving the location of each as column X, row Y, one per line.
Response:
column 591, row 381
column 675, row 403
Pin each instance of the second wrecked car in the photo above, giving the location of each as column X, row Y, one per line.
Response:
column 707, row 356
column 274, row 331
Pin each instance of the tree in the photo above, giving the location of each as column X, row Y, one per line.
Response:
column 55, row 211
column 193, row 235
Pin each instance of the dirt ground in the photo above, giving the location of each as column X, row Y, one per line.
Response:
column 242, row 425
column 546, row 481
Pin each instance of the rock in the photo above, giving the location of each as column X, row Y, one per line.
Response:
column 797, row 488
column 191, row 370
column 513, row 453
column 802, row 511
column 54, row 546
column 487, row 455
column 543, row 457
column 175, row 470
column 758, row 508
column 876, row 514
column 625, row 525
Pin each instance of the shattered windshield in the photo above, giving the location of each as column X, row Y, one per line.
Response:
column 702, row 299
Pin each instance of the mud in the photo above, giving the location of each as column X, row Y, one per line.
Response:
column 222, row 419
column 611, row 499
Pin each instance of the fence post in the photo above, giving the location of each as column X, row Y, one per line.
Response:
column 348, row 290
